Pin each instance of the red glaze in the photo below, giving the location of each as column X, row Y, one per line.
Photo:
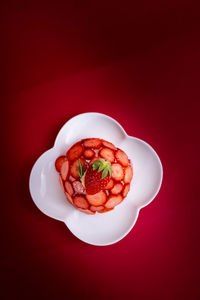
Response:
column 112, row 192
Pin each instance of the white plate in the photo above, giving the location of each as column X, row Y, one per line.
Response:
column 98, row 229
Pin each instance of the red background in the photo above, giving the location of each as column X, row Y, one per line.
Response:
column 139, row 63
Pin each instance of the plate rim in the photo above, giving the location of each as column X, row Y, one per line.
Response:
column 126, row 135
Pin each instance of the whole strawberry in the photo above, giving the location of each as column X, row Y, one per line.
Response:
column 97, row 176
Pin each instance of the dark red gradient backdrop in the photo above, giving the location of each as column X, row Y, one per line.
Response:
column 139, row 63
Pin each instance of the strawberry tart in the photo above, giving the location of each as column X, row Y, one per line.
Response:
column 94, row 175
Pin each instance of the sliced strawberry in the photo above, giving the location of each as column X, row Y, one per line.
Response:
column 87, row 211
column 69, row 188
column 78, row 187
column 117, row 172
column 109, row 145
column 105, row 210
column 64, row 171
column 122, row 158
column 118, row 187
column 81, row 202
column 88, row 153
column 59, row 161
column 61, row 183
column 92, row 143
column 109, row 185
column 75, row 151
column 126, row 190
column 128, row 174
column 71, row 179
column 69, row 198
column 74, row 166
column 113, row 201
column 95, row 158
column 96, row 208
column 107, row 154
column 97, row 199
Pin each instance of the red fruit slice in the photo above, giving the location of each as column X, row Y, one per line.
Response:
column 105, row 210
column 95, row 158
column 109, row 145
column 69, row 198
column 75, row 151
column 96, row 208
column 117, row 172
column 97, row 199
column 128, row 174
column 61, row 183
column 64, row 171
column 107, row 154
column 88, row 153
column 87, row 211
column 126, row 190
column 122, row 158
column 92, row 143
column 113, row 201
column 59, row 161
column 118, row 187
column 78, row 187
column 71, row 179
column 69, row 188
column 73, row 169
column 80, row 202
column 109, row 185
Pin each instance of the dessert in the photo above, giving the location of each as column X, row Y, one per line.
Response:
column 94, row 175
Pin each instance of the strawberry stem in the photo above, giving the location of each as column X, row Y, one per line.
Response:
column 102, row 165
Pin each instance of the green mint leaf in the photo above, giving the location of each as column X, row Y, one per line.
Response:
column 110, row 172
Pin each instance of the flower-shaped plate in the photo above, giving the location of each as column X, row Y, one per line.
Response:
column 110, row 227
